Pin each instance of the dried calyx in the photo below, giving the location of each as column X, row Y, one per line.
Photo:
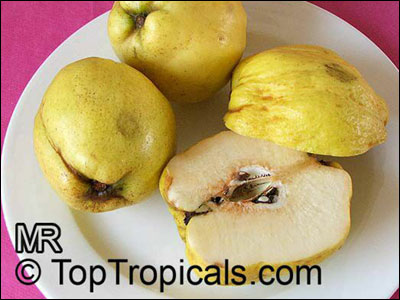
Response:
column 251, row 185
column 139, row 20
column 101, row 190
column 138, row 10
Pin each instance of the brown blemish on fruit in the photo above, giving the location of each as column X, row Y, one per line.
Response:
column 339, row 73
column 238, row 109
column 167, row 181
column 127, row 126
column 267, row 97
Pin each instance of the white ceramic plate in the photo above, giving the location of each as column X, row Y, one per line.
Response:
column 367, row 266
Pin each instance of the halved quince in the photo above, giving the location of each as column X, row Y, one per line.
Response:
column 254, row 203
column 307, row 98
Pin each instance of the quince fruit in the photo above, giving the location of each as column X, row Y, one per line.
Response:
column 103, row 134
column 307, row 98
column 187, row 48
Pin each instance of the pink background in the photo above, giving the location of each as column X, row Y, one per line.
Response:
column 30, row 31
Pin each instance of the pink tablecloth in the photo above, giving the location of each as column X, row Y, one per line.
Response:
column 30, row 31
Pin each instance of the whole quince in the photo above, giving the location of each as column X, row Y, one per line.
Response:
column 187, row 48
column 102, row 135
column 307, row 98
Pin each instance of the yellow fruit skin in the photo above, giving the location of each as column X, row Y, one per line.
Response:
column 252, row 271
column 178, row 215
column 104, row 121
column 187, row 48
column 307, row 98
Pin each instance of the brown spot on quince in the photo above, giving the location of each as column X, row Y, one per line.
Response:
column 238, row 109
column 338, row 72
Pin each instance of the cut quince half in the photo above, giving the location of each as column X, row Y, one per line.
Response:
column 254, row 203
column 307, row 98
